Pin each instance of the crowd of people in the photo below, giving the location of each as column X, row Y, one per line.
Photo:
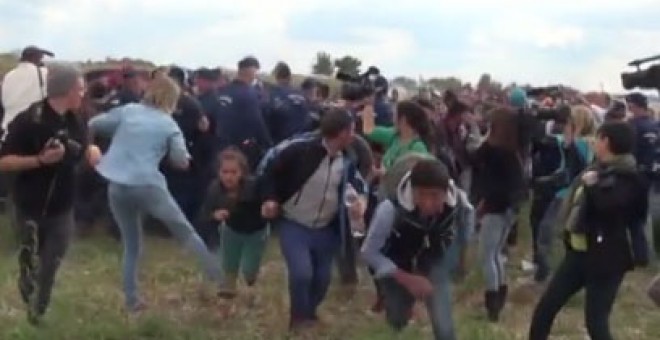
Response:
column 407, row 185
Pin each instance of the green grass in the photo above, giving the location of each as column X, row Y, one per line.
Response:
column 87, row 303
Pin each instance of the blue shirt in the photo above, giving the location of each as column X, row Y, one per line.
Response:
column 241, row 118
column 646, row 139
column 141, row 137
column 287, row 112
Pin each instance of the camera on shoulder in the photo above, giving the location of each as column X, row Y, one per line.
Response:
column 360, row 86
column 644, row 79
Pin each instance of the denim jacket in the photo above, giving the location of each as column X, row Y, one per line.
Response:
column 141, row 137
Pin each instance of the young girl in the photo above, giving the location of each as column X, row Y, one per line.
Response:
column 233, row 203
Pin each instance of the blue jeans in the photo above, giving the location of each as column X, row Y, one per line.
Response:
column 128, row 205
column 492, row 240
column 399, row 302
column 308, row 254
column 546, row 235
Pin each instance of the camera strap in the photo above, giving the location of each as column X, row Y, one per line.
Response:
column 42, row 87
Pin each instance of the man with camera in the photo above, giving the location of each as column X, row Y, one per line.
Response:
column 43, row 145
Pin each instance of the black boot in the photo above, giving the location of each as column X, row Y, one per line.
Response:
column 492, row 305
column 501, row 297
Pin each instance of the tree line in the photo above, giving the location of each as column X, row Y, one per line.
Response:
column 325, row 64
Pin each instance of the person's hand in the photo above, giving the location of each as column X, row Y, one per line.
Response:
column 378, row 171
column 418, row 286
column 569, row 134
column 356, row 210
column 52, row 153
column 221, row 215
column 203, row 124
column 93, row 155
column 480, row 210
column 368, row 111
column 269, row 209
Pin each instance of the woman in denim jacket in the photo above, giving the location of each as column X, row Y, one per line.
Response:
column 142, row 134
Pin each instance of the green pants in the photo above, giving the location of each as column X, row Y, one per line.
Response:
column 241, row 251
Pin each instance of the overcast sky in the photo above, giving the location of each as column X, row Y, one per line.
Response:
column 579, row 42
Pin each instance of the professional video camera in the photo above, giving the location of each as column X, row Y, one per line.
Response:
column 361, row 86
column 645, row 79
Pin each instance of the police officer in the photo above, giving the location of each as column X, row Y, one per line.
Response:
column 287, row 111
column 207, row 94
column 240, row 122
column 647, row 151
column 186, row 186
column 131, row 88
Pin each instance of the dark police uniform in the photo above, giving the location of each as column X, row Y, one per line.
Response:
column 186, row 186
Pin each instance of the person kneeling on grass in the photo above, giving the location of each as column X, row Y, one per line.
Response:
column 408, row 239
column 233, row 202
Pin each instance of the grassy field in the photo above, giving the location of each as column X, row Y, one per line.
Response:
column 87, row 303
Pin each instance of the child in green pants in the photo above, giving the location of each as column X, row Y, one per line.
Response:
column 233, row 202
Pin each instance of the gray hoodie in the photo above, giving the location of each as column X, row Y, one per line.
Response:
column 383, row 221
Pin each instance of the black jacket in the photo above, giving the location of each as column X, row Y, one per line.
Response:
column 613, row 221
column 498, row 178
column 244, row 212
column 287, row 167
column 415, row 243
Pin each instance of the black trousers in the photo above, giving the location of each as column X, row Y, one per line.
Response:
column 570, row 278
column 540, row 204
column 43, row 243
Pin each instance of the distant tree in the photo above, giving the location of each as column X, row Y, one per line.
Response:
column 349, row 64
column 405, row 82
column 323, row 64
column 442, row 84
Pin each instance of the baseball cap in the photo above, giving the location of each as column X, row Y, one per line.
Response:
column 637, row 99
column 35, row 53
column 206, row 73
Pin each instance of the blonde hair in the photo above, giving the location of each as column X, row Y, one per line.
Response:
column 582, row 119
column 163, row 94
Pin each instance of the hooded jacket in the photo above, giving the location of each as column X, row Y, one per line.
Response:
column 399, row 238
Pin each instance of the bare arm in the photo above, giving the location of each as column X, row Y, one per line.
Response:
column 14, row 163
